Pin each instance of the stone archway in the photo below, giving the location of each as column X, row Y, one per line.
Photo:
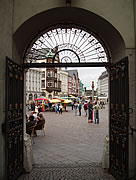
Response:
column 99, row 26
column 102, row 29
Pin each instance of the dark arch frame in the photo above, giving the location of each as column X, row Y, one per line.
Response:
column 66, row 50
column 102, row 29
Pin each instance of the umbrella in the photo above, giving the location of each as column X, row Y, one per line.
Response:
column 67, row 101
column 37, row 99
column 55, row 100
column 60, row 99
column 72, row 96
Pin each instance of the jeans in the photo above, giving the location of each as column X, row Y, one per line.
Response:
column 75, row 112
column 86, row 112
column 96, row 117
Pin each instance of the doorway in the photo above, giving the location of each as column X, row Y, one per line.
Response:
column 71, row 51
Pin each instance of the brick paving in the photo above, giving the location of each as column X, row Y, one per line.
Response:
column 71, row 149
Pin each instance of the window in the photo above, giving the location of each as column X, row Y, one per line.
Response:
column 48, row 74
column 43, row 84
column 49, row 84
column 43, row 74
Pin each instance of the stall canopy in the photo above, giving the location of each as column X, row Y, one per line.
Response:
column 38, row 99
column 69, row 98
column 67, row 101
column 55, row 101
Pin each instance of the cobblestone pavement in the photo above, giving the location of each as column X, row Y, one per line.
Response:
column 91, row 171
column 71, row 149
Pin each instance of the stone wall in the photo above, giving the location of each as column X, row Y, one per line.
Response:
column 132, row 101
column 6, row 11
column 118, row 13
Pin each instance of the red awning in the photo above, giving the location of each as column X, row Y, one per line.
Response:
column 41, row 99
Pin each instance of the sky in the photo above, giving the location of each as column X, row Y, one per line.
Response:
column 87, row 75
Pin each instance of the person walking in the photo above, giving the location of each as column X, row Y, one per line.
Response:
column 60, row 109
column 80, row 107
column 96, row 113
column 72, row 105
column 85, row 109
column 56, row 107
column 90, row 111
column 76, row 107
column 65, row 107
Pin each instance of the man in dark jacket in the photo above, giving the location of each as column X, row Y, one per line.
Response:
column 90, row 111
column 80, row 107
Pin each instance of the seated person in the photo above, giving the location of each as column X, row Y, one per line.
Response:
column 29, row 124
column 40, row 121
column 34, row 115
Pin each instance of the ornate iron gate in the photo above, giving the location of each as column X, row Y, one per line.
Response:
column 14, row 119
column 119, row 119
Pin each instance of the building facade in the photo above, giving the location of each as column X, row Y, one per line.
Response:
column 50, row 81
column 102, row 84
column 73, row 83
column 64, row 83
column 33, row 84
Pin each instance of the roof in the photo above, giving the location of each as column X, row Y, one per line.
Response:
column 103, row 75
column 43, row 53
column 72, row 73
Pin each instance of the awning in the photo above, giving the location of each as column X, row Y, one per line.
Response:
column 72, row 96
column 55, row 101
column 37, row 99
column 67, row 101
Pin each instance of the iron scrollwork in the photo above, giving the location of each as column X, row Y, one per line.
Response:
column 63, row 41
column 119, row 120
column 14, row 119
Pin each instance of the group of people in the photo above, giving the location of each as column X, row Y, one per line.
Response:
column 36, row 120
column 90, row 107
column 59, row 108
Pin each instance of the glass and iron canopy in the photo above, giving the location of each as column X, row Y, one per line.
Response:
column 66, row 45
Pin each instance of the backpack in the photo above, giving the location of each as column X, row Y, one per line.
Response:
column 85, row 106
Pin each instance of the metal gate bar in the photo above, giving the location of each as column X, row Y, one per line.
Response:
column 14, row 119
column 119, row 119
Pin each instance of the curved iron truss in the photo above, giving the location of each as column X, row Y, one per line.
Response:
column 65, row 44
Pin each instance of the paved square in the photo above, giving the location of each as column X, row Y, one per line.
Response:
column 71, row 149
column 70, row 139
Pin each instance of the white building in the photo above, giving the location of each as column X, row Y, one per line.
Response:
column 103, row 84
column 64, row 83
column 33, row 84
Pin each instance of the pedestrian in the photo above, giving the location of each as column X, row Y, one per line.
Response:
column 44, row 106
column 39, row 109
column 76, row 107
column 90, row 111
column 96, row 113
column 72, row 105
column 56, row 107
column 65, row 107
column 85, row 108
column 60, row 109
column 80, row 107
